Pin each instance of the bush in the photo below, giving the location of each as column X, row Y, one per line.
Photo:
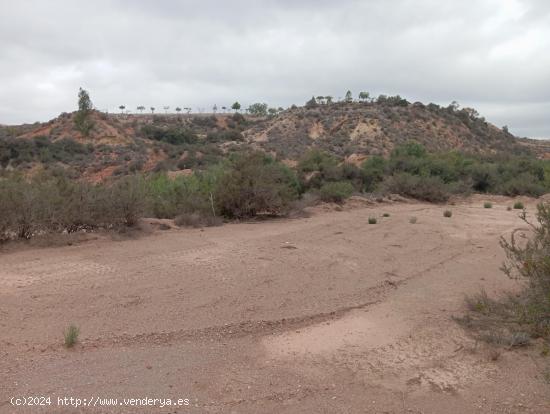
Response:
column 513, row 320
column 170, row 135
column 386, row 215
column 127, row 200
column 71, row 335
column 447, row 213
column 372, row 220
column 420, row 187
column 413, row 220
column 518, row 205
column 256, row 184
column 487, row 204
column 335, row 192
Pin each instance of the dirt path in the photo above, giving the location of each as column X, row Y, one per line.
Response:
column 326, row 314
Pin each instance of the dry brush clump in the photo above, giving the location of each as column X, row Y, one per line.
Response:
column 56, row 204
column 515, row 319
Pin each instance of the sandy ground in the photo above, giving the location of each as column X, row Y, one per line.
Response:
column 325, row 314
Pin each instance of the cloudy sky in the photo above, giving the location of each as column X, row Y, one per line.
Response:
column 493, row 55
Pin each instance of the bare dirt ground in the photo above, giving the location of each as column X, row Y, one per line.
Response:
column 325, row 314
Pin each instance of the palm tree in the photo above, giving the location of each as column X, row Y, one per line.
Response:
column 122, row 108
column 152, row 109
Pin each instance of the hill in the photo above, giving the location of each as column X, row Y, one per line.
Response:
column 118, row 144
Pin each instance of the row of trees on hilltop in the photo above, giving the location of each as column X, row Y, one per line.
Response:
column 361, row 97
column 85, row 106
column 236, row 107
column 258, row 109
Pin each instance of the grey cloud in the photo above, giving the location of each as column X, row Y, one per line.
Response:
column 491, row 54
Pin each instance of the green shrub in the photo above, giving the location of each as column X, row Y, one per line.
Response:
column 374, row 169
column 386, row 215
column 487, row 204
column 372, row 220
column 420, row 187
column 71, row 335
column 413, row 220
column 127, row 200
column 518, row 205
column 447, row 213
column 256, row 184
column 336, row 192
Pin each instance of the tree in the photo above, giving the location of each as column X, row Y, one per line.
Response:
column 320, row 100
column 236, row 106
column 364, row 96
column 141, row 108
column 312, row 103
column 84, row 101
column 215, row 108
column 258, row 109
column 82, row 118
column 178, row 109
column 272, row 111
column 188, row 110
column 166, row 108
column 224, row 108
column 122, row 108
column 328, row 99
column 349, row 97
column 152, row 109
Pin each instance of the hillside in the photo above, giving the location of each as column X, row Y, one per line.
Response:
column 118, row 144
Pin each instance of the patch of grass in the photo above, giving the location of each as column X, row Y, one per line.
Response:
column 386, row 215
column 71, row 335
column 447, row 213
column 487, row 204
column 413, row 220
column 372, row 220
column 518, row 205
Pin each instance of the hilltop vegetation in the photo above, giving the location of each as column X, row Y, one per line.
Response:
column 96, row 145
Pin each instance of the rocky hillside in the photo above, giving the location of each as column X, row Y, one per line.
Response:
column 118, row 144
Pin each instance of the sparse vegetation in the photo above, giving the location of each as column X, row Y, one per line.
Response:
column 372, row 220
column 71, row 335
column 386, row 215
column 487, row 204
column 447, row 213
column 413, row 220
column 513, row 320
column 518, row 205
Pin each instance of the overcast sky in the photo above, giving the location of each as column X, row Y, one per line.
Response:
column 493, row 55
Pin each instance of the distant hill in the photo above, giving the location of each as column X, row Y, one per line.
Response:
column 118, row 144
